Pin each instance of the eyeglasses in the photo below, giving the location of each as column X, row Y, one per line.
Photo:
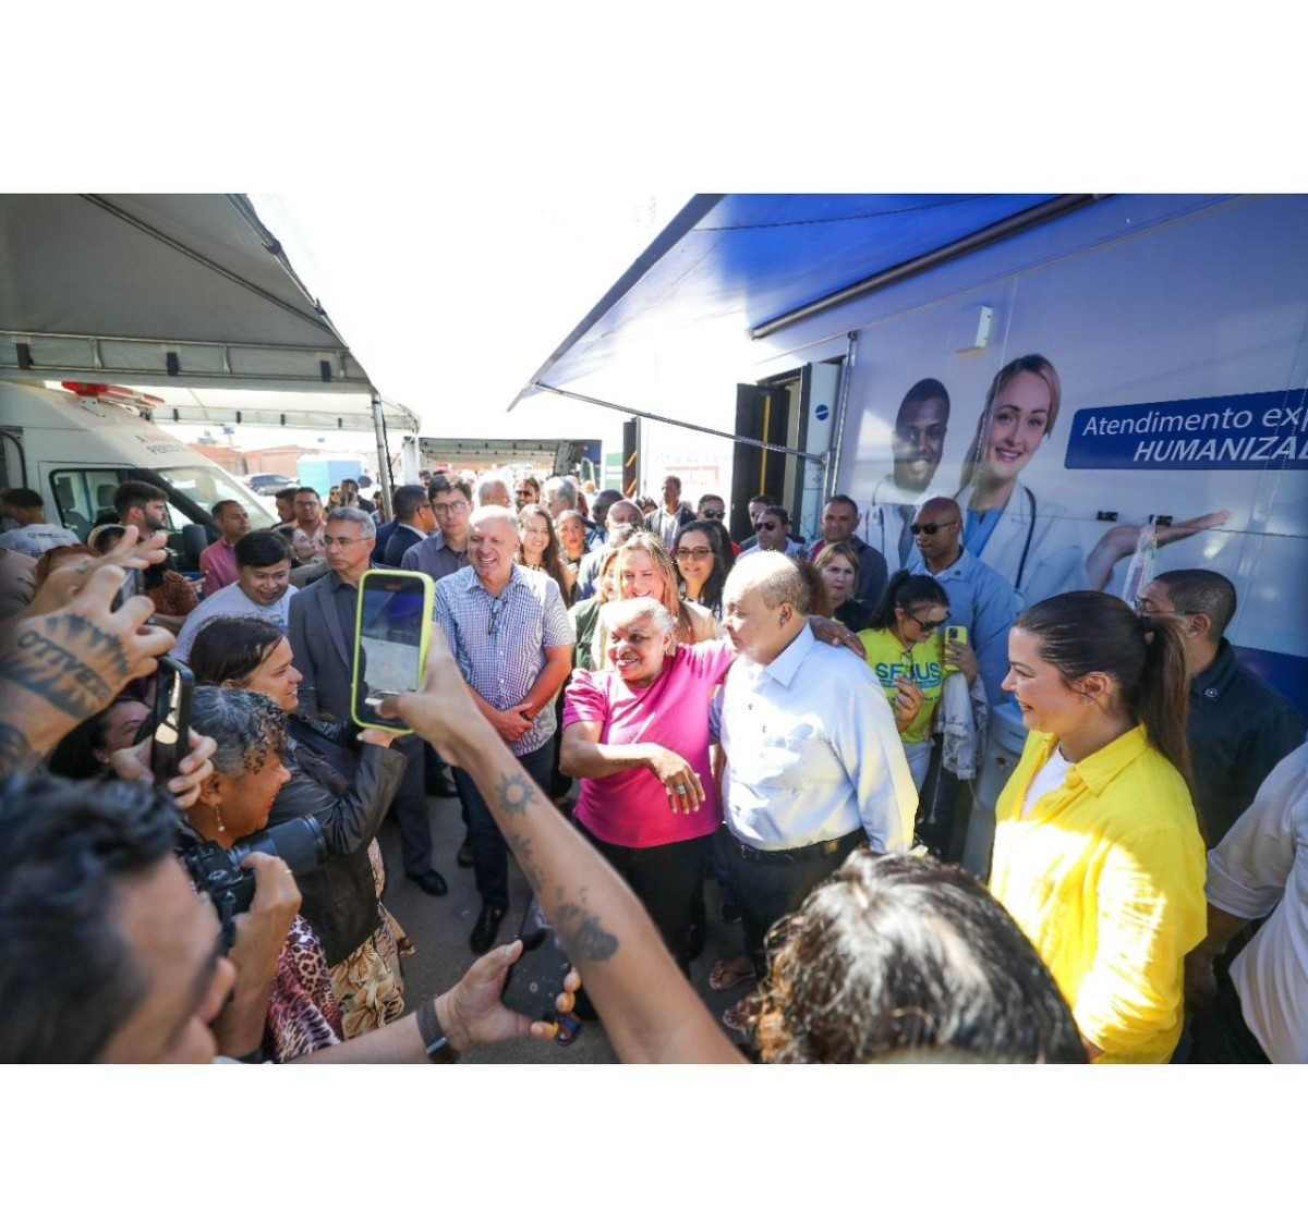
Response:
column 713, row 514
column 442, row 510
column 768, row 525
column 931, row 528
column 698, row 552
column 341, row 542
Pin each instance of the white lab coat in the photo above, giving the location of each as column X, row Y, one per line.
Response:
column 884, row 523
column 1055, row 559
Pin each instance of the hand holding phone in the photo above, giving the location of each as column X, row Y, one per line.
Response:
column 391, row 633
column 170, row 721
column 535, row 981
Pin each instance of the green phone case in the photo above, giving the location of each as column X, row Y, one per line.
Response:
column 428, row 606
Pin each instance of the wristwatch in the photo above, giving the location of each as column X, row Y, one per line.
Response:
column 434, row 1041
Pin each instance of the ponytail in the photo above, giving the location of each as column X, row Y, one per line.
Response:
column 1085, row 632
column 1163, row 700
column 906, row 590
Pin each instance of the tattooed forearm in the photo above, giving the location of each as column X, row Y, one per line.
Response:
column 583, row 934
column 524, row 851
column 16, row 753
column 515, row 793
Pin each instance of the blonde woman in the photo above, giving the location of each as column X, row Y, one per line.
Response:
column 645, row 569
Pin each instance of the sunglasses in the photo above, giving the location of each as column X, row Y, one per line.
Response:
column 713, row 514
column 928, row 627
column 768, row 525
column 931, row 528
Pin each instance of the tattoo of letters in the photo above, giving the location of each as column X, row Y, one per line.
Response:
column 47, row 667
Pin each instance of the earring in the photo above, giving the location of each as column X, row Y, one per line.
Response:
column 218, row 819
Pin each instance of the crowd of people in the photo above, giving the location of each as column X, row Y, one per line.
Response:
column 638, row 709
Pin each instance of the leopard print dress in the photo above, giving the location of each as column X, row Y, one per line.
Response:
column 303, row 1015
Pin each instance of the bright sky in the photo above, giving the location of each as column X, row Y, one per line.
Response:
column 452, row 302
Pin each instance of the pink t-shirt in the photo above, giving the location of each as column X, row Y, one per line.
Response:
column 631, row 807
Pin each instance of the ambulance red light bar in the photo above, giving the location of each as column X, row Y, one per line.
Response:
column 101, row 390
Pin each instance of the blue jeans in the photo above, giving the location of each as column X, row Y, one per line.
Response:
column 490, row 855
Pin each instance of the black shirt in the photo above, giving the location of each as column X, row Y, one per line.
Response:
column 1240, row 728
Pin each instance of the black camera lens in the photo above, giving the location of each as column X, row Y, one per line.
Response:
column 299, row 842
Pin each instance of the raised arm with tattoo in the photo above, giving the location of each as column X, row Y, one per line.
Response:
column 60, row 668
column 651, row 1013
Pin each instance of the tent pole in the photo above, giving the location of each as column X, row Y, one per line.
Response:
column 383, row 457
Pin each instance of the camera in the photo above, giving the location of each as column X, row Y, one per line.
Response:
column 217, row 871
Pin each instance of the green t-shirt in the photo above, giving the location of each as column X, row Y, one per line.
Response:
column 923, row 665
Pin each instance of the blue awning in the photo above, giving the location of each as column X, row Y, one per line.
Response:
column 736, row 263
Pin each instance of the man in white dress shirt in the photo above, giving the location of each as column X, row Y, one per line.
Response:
column 1257, row 1010
column 815, row 766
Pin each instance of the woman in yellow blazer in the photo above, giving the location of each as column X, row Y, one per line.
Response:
column 1098, row 854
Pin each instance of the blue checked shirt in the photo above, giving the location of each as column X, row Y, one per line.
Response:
column 500, row 642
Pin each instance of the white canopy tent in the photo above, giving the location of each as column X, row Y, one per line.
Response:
column 189, row 295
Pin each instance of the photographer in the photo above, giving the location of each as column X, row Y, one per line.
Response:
column 346, row 779
column 236, row 800
column 134, row 967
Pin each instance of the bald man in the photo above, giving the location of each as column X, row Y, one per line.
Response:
column 815, row 766
column 979, row 597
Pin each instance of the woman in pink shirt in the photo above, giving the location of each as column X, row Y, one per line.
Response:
column 637, row 734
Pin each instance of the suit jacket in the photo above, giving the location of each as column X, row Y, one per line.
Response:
column 384, row 533
column 321, row 651
column 399, row 542
column 666, row 524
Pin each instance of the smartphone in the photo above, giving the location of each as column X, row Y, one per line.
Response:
column 535, row 981
column 391, row 631
column 954, row 634
column 170, row 721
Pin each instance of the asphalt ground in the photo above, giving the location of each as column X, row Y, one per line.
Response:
column 438, row 927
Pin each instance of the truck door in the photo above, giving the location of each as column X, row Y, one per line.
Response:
column 13, row 468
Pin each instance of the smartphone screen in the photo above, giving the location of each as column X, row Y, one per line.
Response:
column 171, row 720
column 389, row 651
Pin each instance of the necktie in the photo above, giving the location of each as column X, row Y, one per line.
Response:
column 905, row 534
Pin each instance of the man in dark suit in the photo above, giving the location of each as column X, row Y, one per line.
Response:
column 322, row 642
column 414, row 521
column 672, row 516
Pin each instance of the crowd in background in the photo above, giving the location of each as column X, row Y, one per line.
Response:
column 633, row 706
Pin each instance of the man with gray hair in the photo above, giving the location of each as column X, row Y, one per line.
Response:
column 322, row 649
column 815, row 766
column 560, row 495
column 509, row 632
column 492, row 489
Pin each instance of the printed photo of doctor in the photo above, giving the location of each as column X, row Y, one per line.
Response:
column 917, row 445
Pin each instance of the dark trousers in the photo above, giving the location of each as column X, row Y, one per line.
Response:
column 1217, row 1032
column 410, row 807
column 490, row 855
column 666, row 879
column 767, row 889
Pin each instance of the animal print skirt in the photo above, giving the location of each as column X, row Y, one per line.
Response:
column 369, row 984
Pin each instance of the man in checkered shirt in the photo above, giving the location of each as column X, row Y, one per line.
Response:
column 510, row 634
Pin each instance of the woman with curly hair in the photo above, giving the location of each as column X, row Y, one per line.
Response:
column 347, row 779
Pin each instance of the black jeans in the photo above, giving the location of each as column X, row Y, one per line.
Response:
column 490, row 855
column 1217, row 1032
column 665, row 878
column 410, row 807
column 768, row 889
